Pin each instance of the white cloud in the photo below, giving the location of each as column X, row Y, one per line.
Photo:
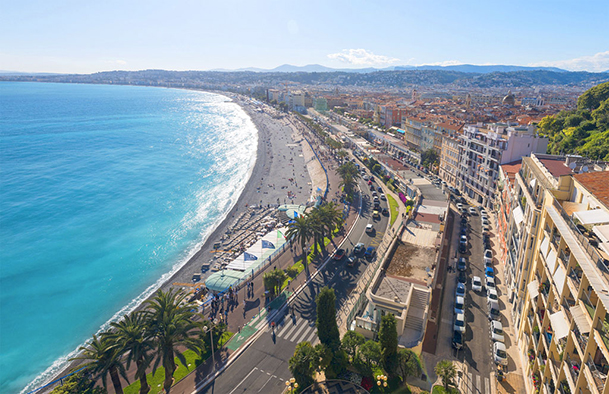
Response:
column 362, row 57
column 594, row 63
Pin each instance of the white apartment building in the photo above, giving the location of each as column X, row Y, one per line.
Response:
column 484, row 148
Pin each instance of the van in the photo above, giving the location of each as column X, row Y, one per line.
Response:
column 493, row 309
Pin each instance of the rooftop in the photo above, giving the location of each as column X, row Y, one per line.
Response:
column 597, row 183
column 511, row 169
column 556, row 167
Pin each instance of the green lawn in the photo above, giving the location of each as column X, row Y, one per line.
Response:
column 192, row 361
column 440, row 390
column 394, row 210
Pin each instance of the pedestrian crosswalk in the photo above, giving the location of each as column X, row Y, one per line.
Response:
column 297, row 330
column 475, row 385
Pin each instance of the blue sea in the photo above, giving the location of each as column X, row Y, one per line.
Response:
column 104, row 192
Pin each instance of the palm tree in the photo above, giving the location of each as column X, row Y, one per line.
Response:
column 349, row 175
column 169, row 318
column 132, row 337
column 301, row 230
column 445, row 369
column 103, row 359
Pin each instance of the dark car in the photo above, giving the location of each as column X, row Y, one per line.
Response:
column 385, row 212
column 352, row 260
column 462, row 278
column 461, row 264
column 380, row 189
column 371, row 188
column 463, row 230
column 457, row 340
column 340, row 253
column 370, row 252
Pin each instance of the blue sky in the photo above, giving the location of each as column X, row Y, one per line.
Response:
column 80, row 36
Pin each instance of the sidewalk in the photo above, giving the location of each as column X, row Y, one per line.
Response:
column 513, row 381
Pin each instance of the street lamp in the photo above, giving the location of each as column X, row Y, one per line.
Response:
column 381, row 380
column 211, row 338
column 291, row 384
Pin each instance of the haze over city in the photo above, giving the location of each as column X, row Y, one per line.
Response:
column 84, row 37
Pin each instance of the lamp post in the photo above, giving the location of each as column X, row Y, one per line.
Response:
column 381, row 381
column 291, row 385
column 211, row 338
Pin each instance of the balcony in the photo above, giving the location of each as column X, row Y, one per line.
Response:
column 590, row 306
column 564, row 256
column 574, row 367
column 576, row 276
column 582, row 339
column 598, row 376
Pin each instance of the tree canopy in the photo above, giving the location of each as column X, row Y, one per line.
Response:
column 585, row 130
column 327, row 329
column 388, row 338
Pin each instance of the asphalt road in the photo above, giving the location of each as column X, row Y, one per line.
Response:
column 476, row 352
column 263, row 367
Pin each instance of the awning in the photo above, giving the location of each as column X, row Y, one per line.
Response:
column 551, row 261
column 560, row 324
column 580, row 319
column 518, row 215
column 545, row 244
column 559, row 278
column 602, row 232
column 533, row 288
column 593, row 216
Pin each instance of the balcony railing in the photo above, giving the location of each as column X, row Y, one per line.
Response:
column 576, row 276
column 590, row 307
column 574, row 368
column 582, row 339
column 564, row 257
column 600, row 262
column 598, row 376
column 604, row 331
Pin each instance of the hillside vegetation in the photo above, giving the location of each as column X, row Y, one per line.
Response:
column 585, row 130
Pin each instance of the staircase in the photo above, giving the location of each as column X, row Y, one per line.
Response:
column 415, row 319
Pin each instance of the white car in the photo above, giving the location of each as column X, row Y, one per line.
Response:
column 369, row 228
column 488, row 254
column 365, row 177
column 472, row 211
column 491, row 295
column 499, row 354
column 476, row 283
column 490, row 283
column 459, row 323
column 459, row 306
column 383, row 197
column 460, row 206
column 496, row 331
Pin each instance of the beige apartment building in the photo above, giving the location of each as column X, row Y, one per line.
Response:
column 449, row 160
column 556, row 229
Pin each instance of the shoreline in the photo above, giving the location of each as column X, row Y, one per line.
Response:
column 264, row 162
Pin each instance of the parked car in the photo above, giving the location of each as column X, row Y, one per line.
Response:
column 459, row 305
column 340, row 253
column 499, row 353
column 383, row 197
column 375, row 214
column 496, row 331
column 369, row 228
column 365, row 177
column 490, row 283
column 457, row 339
column 359, row 248
column 460, row 206
column 493, row 310
column 488, row 254
column 385, row 212
column 461, row 264
column 464, row 230
column 462, row 277
column 352, row 260
column 374, row 194
column 489, row 272
column 370, row 252
column 380, row 189
column 459, row 324
column 491, row 295
column 472, row 211
column 460, row 291
column 485, row 223
column 476, row 283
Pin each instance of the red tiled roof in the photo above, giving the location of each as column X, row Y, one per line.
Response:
column 597, row 183
column 556, row 167
column 511, row 169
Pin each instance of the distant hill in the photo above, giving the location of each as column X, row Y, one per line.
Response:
column 465, row 68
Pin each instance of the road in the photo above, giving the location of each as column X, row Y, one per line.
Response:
column 476, row 353
column 263, row 367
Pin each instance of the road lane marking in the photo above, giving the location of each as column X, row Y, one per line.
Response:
column 270, row 377
column 247, row 376
column 299, row 330
column 287, row 326
column 304, row 334
column 291, row 330
column 310, row 338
